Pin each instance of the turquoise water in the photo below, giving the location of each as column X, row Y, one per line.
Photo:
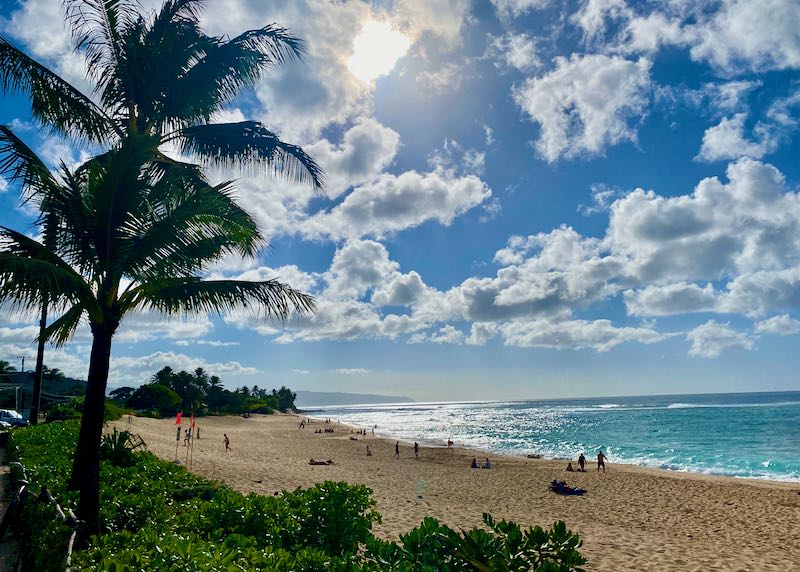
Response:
column 750, row 435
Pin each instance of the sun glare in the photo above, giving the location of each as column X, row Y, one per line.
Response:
column 376, row 50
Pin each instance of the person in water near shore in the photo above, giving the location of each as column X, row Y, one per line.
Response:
column 601, row 461
column 474, row 464
column 397, row 450
column 449, row 443
column 582, row 463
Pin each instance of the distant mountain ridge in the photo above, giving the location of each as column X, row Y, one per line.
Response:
column 321, row 398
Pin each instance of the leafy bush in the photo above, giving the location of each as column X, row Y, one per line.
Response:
column 72, row 410
column 118, row 447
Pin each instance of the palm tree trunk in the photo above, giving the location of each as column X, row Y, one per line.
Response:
column 86, row 467
column 37, row 378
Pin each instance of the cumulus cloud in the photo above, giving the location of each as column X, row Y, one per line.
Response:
column 712, row 338
column 727, row 140
column 135, row 370
column 585, row 104
column 782, row 325
column 391, row 203
column 515, row 8
column 720, row 230
column 750, row 35
column 515, row 50
column 680, row 298
column 600, row 335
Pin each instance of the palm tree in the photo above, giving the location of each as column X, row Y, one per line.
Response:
column 119, row 252
column 134, row 228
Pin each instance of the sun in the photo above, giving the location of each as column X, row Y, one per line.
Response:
column 376, row 49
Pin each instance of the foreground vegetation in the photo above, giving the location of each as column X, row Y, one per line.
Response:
column 156, row 515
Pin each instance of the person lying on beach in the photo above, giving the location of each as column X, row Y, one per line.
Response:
column 563, row 488
column 474, row 464
column 487, row 464
column 353, row 438
column 569, row 468
column 313, row 462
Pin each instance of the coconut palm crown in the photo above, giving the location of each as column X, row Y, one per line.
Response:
column 133, row 228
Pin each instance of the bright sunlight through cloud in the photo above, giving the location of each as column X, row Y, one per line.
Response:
column 376, row 50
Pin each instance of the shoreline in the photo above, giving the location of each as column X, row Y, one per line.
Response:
column 632, row 518
column 591, row 464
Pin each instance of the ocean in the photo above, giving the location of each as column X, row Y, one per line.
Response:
column 746, row 435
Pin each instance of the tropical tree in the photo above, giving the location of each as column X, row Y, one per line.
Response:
column 134, row 228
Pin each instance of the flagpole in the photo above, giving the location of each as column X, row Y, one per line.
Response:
column 178, row 418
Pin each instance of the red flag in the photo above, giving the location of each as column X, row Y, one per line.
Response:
column 178, row 418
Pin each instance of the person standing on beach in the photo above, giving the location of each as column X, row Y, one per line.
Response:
column 582, row 462
column 601, row 461
column 397, row 450
column 416, row 449
column 226, row 441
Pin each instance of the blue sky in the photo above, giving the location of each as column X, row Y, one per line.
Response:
column 527, row 198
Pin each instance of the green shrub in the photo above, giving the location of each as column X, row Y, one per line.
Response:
column 119, row 446
column 335, row 517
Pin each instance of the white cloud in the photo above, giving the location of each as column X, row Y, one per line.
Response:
column 721, row 230
column 671, row 299
column 782, row 325
column 750, row 35
column 515, row 8
column 712, row 338
column 600, row 335
column 135, row 370
column 350, row 371
column 585, row 104
column 366, row 149
column 391, row 203
column 726, row 140
column 515, row 50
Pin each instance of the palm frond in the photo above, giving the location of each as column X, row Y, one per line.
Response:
column 187, row 230
column 96, row 26
column 62, row 329
column 249, row 143
column 54, row 101
column 30, row 274
column 225, row 68
column 270, row 298
column 19, row 164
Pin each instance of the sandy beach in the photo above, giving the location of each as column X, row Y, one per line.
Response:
column 631, row 519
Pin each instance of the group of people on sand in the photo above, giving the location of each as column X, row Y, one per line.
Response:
column 475, row 465
column 601, row 463
column 325, row 430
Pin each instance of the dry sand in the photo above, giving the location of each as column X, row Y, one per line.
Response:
column 631, row 519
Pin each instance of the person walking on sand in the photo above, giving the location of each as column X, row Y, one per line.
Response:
column 582, row 463
column 601, row 461
column 416, row 449
column 226, row 441
column 397, row 450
